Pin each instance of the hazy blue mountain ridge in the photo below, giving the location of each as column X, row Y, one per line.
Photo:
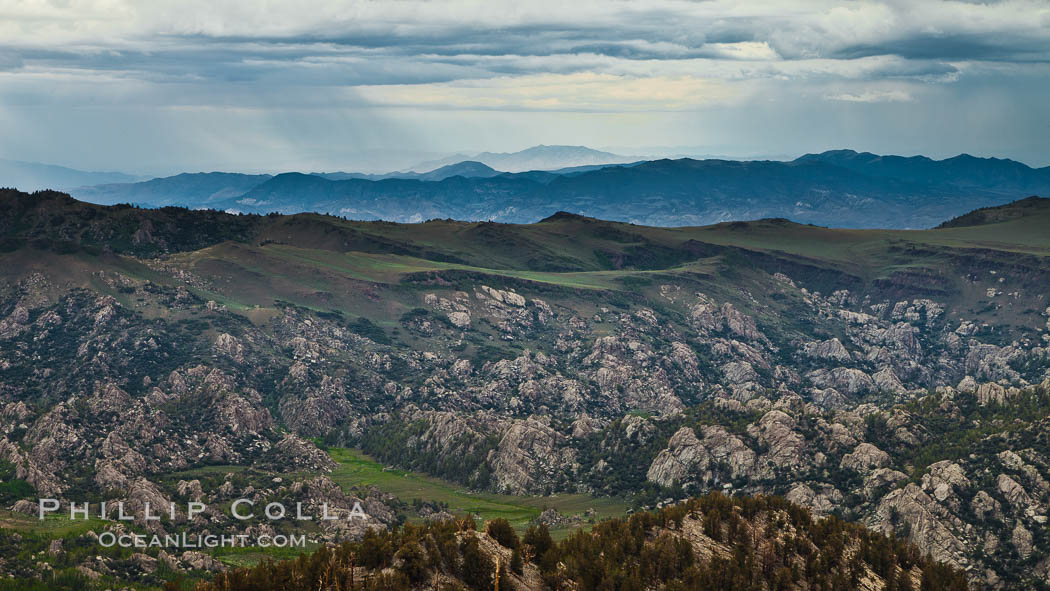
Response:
column 837, row 188
column 660, row 192
column 33, row 176
column 194, row 190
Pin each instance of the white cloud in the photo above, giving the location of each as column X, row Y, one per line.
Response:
column 872, row 96
column 742, row 50
column 567, row 92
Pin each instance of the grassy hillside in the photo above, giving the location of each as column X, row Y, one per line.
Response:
column 1002, row 213
column 357, row 469
column 377, row 269
column 500, row 369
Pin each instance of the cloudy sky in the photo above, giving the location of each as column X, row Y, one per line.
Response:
column 263, row 85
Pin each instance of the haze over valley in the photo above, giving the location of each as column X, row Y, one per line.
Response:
column 837, row 188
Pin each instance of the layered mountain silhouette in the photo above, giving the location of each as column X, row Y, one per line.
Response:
column 535, row 158
column 963, row 171
column 839, row 188
column 466, row 168
column 194, row 190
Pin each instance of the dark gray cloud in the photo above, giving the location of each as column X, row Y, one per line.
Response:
column 417, row 76
column 10, row 60
column 970, row 46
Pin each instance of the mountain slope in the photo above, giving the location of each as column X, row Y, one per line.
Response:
column 707, row 544
column 467, row 169
column 895, row 378
column 1030, row 207
column 193, row 190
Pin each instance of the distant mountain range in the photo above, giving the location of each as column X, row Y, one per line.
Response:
column 812, row 189
column 33, row 176
column 840, row 188
column 194, row 190
column 467, row 169
column 535, row 158
column 963, row 171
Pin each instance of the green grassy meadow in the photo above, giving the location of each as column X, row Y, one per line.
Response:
column 56, row 525
column 357, row 469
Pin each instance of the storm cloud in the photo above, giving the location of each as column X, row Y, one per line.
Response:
column 160, row 86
